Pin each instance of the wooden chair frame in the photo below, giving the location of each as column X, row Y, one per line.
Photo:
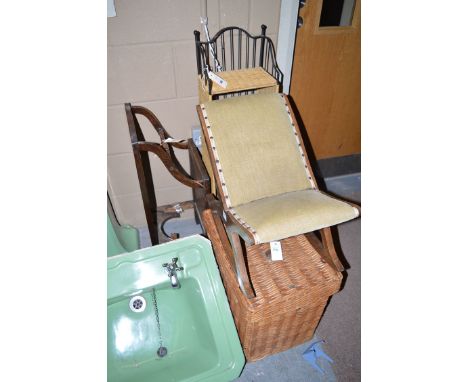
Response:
column 199, row 180
column 239, row 235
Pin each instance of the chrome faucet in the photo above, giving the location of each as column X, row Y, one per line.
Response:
column 171, row 270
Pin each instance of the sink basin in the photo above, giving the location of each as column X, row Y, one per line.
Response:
column 120, row 238
column 196, row 324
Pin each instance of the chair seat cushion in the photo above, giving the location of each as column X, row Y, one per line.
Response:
column 293, row 213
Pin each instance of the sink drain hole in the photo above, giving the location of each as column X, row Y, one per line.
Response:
column 137, row 304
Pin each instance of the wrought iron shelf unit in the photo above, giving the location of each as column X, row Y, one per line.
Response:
column 248, row 63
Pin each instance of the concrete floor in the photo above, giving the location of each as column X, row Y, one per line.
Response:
column 340, row 325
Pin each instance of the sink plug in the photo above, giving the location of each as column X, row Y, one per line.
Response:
column 171, row 270
column 162, row 352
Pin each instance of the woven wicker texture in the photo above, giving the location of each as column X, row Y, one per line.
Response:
column 243, row 79
column 290, row 294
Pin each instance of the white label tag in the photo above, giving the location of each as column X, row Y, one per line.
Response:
column 217, row 79
column 172, row 140
column 276, row 252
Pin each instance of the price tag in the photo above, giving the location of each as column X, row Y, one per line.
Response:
column 276, row 252
column 172, row 140
column 217, row 79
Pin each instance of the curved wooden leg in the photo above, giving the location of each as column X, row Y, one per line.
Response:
column 232, row 247
column 241, row 268
column 327, row 240
column 326, row 248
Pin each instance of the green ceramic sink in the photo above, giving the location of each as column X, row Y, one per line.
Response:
column 196, row 324
column 120, row 238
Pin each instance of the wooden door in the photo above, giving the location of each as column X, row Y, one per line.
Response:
column 326, row 81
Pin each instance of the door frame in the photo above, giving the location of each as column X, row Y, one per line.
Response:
column 287, row 31
column 287, row 39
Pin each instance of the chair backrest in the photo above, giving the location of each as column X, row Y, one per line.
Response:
column 255, row 147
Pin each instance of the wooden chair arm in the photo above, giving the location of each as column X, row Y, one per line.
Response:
column 232, row 225
column 216, row 233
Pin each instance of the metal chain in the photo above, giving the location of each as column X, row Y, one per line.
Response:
column 156, row 313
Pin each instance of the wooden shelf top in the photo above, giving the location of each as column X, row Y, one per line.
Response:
column 244, row 79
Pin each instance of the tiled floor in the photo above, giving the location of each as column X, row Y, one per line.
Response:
column 340, row 325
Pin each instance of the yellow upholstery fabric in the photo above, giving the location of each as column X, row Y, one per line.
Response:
column 256, row 146
column 294, row 213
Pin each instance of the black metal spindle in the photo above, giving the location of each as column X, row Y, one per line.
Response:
column 215, row 50
column 247, row 49
column 202, row 61
column 223, row 52
column 231, row 35
column 262, row 44
column 207, row 57
column 239, row 51
column 197, row 51
column 267, row 60
column 254, row 48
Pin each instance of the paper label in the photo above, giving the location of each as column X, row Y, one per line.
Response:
column 217, row 79
column 172, row 140
column 276, row 252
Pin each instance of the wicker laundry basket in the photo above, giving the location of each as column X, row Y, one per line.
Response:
column 290, row 294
